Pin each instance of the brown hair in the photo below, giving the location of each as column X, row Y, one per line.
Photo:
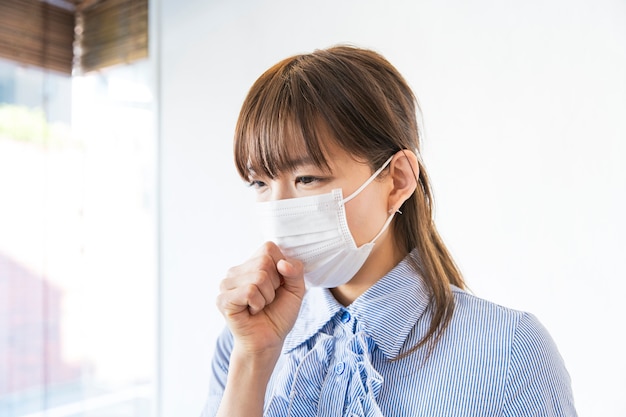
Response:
column 371, row 112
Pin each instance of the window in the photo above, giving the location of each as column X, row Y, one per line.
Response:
column 77, row 242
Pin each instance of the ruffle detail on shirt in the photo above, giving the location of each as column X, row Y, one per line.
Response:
column 366, row 382
column 314, row 391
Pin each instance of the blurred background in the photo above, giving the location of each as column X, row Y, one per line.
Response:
column 78, row 230
column 120, row 208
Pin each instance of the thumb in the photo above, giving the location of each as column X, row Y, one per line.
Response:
column 292, row 272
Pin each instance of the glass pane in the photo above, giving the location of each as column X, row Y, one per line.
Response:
column 77, row 243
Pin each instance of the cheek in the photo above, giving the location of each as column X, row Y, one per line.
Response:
column 366, row 217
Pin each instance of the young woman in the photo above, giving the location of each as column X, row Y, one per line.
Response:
column 354, row 307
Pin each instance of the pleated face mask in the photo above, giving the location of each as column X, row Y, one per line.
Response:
column 314, row 230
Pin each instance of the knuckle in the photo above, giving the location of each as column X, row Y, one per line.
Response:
column 269, row 297
column 267, row 247
column 232, row 272
column 270, row 249
column 220, row 302
column 262, row 276
column 255, row 299
column 266, row 263
column 250, row 292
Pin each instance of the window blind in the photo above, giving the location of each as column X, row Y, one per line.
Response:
column 98, row 34
column 37, row 33
column 112, row 32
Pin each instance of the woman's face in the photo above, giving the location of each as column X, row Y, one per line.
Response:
column 366, row 213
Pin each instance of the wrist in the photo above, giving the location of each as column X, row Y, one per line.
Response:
column 254, row 363
column 248, row 375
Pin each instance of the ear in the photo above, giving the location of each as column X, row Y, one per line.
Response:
column 404, row 171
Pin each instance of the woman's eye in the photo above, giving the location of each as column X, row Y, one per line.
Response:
column 256, row 184
column 306, row 179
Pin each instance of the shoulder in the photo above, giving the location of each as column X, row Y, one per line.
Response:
column 481, row 335
column 483, row 326
column 518, row 334
column 521, row 330
column 490, row 359
column 470, row 307
column 533, row 371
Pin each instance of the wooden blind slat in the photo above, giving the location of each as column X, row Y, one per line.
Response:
column 114, row 32
column 37, row 33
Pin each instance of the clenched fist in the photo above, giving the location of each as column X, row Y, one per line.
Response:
column 260, row 300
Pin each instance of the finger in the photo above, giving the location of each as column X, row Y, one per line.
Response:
column 247, row 298
column 267, row 283
column 268, row 255
column 267, row 264
column 233, row 278
column 272, row 250
column 229, row 305
column 256, row 300
column 247, row 272
column 292, row 272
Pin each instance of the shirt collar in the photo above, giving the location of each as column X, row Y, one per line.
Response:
column 387, row 311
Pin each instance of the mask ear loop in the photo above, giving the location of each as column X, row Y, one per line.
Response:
column 369, row 180
column 365, row 184
column 386, row 225
column 392, row 212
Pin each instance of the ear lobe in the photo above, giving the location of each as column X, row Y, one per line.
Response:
column 404, row 172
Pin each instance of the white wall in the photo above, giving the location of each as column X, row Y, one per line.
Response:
column 524, row 104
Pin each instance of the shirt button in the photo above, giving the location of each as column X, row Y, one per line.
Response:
column 345, row 317
column 340, row 367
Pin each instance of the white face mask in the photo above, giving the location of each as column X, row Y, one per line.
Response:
column 315, row 231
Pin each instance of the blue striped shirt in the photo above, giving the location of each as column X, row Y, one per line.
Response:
column 337, row 361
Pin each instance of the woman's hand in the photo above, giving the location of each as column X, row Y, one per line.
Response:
column 260, row 300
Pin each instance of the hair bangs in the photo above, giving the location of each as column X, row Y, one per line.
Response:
column 278, row 130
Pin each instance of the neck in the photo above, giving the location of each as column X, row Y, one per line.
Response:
column 384, row 257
